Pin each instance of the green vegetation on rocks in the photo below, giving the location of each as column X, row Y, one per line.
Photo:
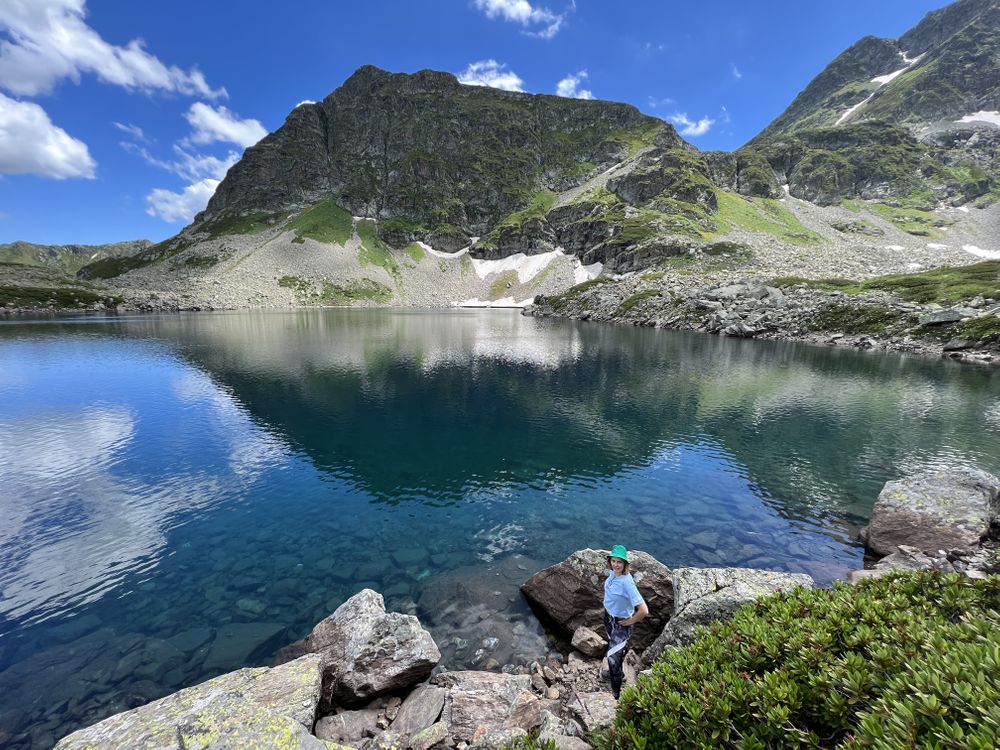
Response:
column 416, row 252
column 343, row 294
column 635, row 300
column 324, row 222
column 236, row 223
column 108, row 268
column 857, row 319
column 947, row 285
column 374, row 251
column 909, row 660
column 67, row 297
column 764, row 215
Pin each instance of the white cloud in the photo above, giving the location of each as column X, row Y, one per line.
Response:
column 190, row 166
column 133, row 130
column 48, row 41
column 219, row 124
column 537, row 21
column 570, row 87
column 491, row 73
column 664, row 102
column 173, row 207
column 736, row 72
column 691, row 128
column 31, row 144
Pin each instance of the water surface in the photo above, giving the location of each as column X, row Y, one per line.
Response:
column 181, row 495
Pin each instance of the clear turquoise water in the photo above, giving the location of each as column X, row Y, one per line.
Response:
column 181, row 495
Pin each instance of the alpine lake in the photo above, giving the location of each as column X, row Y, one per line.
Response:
column 181, row 495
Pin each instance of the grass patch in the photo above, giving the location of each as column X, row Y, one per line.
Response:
column 374, row 252
column 946, row 285
column 324, row 222
column 635, row 300
column 108, row 268
column 832, row 284
column 503, row 284
column 54, row 297
column 344, row 294
column 559, row 301
column 856, row 320
column 416, row 252
column 763, row 215
column 913, row 221
column 539, row 205
column 228, row 224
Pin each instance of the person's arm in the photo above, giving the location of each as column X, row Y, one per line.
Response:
column 640, row 614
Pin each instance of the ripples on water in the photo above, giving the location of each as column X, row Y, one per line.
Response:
column 182, row 495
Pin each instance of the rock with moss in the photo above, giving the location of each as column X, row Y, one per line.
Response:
column 934, row 510
column 366, row 651
column 249, row 708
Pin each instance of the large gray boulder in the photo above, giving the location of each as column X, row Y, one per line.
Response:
column 420, row 710
column 934, row 510
column 249, row 708
column 705, row 595
column 571, row 593
column 481, row 703
column 367, row 651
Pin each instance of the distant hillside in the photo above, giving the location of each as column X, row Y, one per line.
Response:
column 67, row 258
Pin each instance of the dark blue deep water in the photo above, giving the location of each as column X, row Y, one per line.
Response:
column 182, row 495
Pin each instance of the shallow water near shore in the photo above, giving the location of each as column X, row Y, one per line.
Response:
column 181, row 495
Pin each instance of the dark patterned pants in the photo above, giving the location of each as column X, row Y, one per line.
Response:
column 618, row 636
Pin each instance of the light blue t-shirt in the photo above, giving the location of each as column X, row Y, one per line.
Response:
column 621, row 597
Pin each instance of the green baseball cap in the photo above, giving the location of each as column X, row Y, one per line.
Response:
column 620, row 552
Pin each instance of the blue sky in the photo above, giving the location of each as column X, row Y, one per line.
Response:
column 118, row 118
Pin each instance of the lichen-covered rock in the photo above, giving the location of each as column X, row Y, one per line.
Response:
column 934, row 510
column 571, row 593
column 562, row 742
column 348, row 726
column 595, row 710
column 705, row 595
column 249, row 708
column 367, row 651
column 478, row 703
column 429, row 737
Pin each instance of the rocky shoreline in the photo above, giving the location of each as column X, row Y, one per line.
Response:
column 371, row 679
column 756, row 308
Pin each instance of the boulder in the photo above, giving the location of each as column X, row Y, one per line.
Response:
column 429, row 737
column 934, row 510
column 562, row 742
column 588, row 642
column 498, row 739
column 259, row 707
column 421, row 708
column 904, row 558
column 348, row 726
column 704, row 595
column 571, row 593
column 367, row 651
column 595, row 710
column 478, row 703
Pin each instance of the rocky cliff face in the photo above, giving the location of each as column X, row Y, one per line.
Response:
column 430, row 154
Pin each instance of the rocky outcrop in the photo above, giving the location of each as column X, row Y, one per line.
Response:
column 479, row 703
column 706, row 595
column 367, row 651
column 934, row 510
column 249, row 708
column 429, row 150
column 570, row 593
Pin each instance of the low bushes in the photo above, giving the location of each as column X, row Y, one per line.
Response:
column 904, row 661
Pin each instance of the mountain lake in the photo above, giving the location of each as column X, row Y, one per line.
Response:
column 184, row 494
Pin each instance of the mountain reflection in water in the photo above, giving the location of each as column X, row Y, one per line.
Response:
column 184, row 494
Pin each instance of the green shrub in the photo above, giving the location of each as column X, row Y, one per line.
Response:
column 910, row 660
